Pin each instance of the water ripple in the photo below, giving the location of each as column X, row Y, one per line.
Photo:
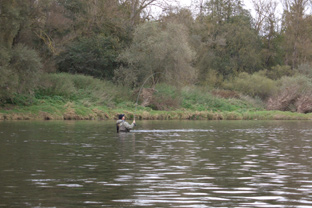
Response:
column 203, row 164
column 172, row 130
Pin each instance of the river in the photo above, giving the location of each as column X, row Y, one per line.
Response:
column 191, row 164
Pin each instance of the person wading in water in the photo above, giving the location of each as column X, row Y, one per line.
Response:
column 122, row 125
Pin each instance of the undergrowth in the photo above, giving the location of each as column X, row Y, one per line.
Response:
column 69, row 96
column 85, row 90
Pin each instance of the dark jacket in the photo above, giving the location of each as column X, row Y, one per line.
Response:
column 123, row 126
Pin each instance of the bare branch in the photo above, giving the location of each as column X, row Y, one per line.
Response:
column 266, row 12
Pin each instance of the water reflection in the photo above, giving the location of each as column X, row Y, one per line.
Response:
column 160, row 164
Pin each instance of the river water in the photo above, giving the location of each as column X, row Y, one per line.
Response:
column 191, row 164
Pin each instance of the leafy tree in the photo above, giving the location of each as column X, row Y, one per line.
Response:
column 229, row 44
column 297, row 32
column 95, row 56
column 20, row 70
column 243, row 49
column 179, row 16
column 266, row 23
column 140, row 10
column 221, row 11
column 19, row 64
column 160, row 49
column 14, row 17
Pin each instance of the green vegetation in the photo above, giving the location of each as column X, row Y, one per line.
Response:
column 87, row 59
column 95, row 56
column 255, row 85
column 76, row 97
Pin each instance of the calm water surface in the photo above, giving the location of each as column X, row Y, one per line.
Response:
column 191, row 164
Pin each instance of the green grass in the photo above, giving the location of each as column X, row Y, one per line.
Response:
column 46, row 110
column 199, row 99
column 65, row 96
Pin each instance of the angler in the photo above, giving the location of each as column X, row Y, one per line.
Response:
column 122, row 125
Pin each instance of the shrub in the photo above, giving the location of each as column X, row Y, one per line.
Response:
column 20, row 72
column 197, row 98
column 255, row 85
column 57, row 85
column 81, row 88
column 277, row 72
column 8, row 81
column 26, row 64
column 157, row 48
column 165, row 97
column 256, row 102
column 225, row 93
column 212, row 79
column 294, row 94
column 95, row 56
column 305, row 69
column 124, row 76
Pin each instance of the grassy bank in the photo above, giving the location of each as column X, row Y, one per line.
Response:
column 47, row 110
column 77, row 97
column 73, row 112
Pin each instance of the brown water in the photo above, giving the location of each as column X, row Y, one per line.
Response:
column 161, row 164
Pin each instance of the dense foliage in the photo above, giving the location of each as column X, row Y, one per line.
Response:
column 217, row 44
column 95, row 56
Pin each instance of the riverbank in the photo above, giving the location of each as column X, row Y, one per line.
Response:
column 71, row 111
column 77, row 97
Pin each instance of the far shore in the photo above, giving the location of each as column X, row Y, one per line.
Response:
column 110, row 114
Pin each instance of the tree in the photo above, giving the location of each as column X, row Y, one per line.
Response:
column 297, row 32
column 95, row 56
column 19, row 64
column 15, row 15
column 160, row 49
column 139, row 8
column 265, row 16
column 178, row 16
column 266, row 24
column 20, row 70
column 221, row 11
column 229, row 44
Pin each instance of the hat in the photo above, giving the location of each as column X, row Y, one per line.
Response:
column 121, row 115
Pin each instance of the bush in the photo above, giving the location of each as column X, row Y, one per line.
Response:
column 255, row 85
column 26, row 64
column 294, row 94
column 277, row 72
column 8, row 81
column 196, row 98
column 82, row 88
column 212, row 79
column 305, row 69
column 57, row 85
column 20, row 72
column 95, row 56
column 157, row 48
column 225, row 93
column 165, row 97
